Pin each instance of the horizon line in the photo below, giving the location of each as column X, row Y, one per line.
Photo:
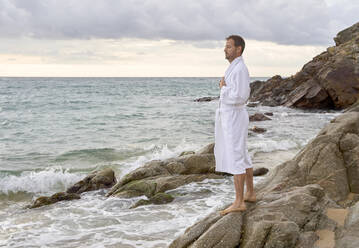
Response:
column 123, row 76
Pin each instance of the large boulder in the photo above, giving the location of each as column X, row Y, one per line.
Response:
column 162, row 175
column 159, row 176
column 330, row 80
column 294, row 199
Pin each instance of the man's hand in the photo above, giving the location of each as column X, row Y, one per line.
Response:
column 222, row 83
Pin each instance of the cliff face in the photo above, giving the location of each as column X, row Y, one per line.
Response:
column 330, row 80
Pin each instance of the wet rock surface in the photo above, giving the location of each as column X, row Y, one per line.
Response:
column 96, row 180
column 206, row 99
column 258, row 117
column 47, row 200
column 258, row 129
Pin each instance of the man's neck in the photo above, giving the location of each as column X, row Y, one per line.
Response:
column 230, row 61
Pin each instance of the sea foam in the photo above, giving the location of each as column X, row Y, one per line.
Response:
column 159, row 152
column 49, row 180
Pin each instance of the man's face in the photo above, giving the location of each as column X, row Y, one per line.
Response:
column 231, row 51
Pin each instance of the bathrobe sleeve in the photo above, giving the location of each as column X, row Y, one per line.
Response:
column 237, row 90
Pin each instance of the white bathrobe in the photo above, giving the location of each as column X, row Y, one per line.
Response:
column 231, row 124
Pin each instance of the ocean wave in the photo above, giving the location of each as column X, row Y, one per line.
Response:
column 272, row 145
column 50, row 180
column 159, row 152
column 94, row 155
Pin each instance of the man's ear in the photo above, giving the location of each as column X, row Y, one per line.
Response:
column 239, row 50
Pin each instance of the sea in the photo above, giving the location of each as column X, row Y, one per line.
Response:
column 55, row 131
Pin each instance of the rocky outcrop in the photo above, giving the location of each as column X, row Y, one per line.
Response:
column 206, row 99
column 330, row 80
column 293, row 201
column 159, row 176
column 258, row 129
column 258, row 117
column 61, row 196
column 96, row 180
column 159, row 198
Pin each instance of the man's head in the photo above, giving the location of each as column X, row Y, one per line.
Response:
column 234, row 47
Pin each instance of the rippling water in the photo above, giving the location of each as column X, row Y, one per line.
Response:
column 53, row 131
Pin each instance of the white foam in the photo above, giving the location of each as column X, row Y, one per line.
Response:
column 160, row 152
column 46, row 181
column 272, row 145
column 4, row 123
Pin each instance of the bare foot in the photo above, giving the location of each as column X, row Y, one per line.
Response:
column 250, row 198
column 234, row 208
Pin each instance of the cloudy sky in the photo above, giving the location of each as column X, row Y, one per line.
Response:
column 164, row 37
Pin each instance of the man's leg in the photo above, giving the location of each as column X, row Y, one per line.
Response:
column 250, row 194
column 239, row 185
column 238, row 204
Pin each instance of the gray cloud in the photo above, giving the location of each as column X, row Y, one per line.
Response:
column 298, row 22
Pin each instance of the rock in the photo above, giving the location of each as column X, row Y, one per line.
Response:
column 219, row 236
column 258, row 117
column 159, row 176
column 159, row 198
column 349, row 146
column 260, row 171
column 329, row 81
column 353, row 108
column 262, row 91
column 349, row 236
column 258, row 129
column 306, row 239
column 209, row 149
column 292, row 201
column 96, row 180
column 194, row 232
column 186, row 153
column 268, row 113
column 252, row 104
column 158, row 184
column 61, row 196
column 346, row 34
column 275, row 223
column 206, row 99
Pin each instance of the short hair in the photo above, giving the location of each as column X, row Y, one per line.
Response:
column 238, row 41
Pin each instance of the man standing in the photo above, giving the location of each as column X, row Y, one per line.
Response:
column 231, row 126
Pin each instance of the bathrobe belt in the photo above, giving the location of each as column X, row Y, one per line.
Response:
column 231, row 106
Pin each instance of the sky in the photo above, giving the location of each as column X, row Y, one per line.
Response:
column 167, row 38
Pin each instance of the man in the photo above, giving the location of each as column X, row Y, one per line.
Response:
column 231, row 126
